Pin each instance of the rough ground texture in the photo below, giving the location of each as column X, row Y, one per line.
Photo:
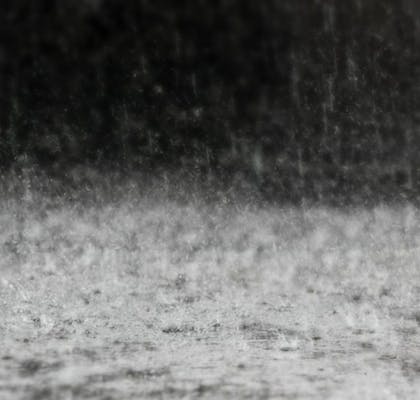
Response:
column 147, row 299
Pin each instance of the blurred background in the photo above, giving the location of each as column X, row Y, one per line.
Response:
column 314, row 98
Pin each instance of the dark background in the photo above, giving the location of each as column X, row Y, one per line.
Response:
column 300, row 97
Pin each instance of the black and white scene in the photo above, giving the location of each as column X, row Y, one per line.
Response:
column 209, row 199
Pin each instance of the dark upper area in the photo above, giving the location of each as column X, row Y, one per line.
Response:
column 316, row 95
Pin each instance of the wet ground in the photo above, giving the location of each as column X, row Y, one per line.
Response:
column 158, row 300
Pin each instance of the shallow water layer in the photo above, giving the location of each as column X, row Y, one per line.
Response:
column 166, row 301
